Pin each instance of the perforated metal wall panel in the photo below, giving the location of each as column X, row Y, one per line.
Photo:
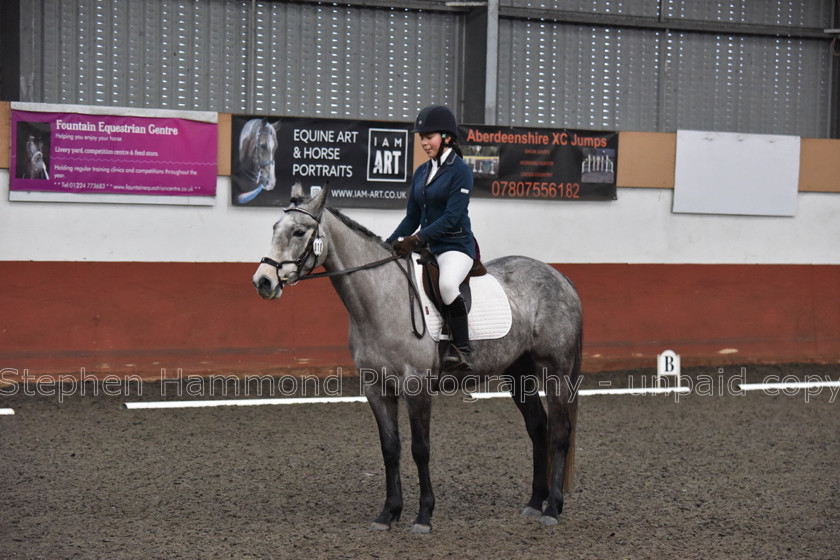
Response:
column 653, row 78
column 340, row 61
column 632, row 65
column 746, row 84
column 578, row 77
column 794, row 13
column 235, row 56
column 646, row 8
column 150, row 53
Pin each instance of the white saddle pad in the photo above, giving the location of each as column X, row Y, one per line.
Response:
column 490, row 316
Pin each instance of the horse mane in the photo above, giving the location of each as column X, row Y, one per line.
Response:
column 357, row 227
column 247, row 139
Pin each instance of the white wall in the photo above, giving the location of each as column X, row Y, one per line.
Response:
column 639, row 227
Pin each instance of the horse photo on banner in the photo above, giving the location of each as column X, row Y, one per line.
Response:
column 368, row 164
column 33, row 149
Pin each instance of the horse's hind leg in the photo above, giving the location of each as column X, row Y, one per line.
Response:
column 527, row 399
column 385, row 409
column 562, row 416
column 419, row 414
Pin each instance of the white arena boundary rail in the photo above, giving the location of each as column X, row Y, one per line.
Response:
column 783, row 388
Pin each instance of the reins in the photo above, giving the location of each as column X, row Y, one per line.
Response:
column 310, row 276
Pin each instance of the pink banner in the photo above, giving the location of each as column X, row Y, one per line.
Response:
column 109, row 154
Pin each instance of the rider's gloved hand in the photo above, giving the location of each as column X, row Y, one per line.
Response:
column 405, row 245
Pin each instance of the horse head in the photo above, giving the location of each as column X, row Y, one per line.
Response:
column 297, row 246
column 35, row 167
column 257, row 145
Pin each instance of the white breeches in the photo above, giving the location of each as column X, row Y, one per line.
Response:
column 454, row 267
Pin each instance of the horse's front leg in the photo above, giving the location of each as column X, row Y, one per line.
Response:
column 420, row 414
column 385, row 409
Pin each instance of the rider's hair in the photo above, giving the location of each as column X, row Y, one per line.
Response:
column 452, row 144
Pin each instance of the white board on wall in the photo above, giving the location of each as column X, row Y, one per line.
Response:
column 734, row 173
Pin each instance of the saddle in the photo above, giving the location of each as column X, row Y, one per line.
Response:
column 490, row 314
column 431, row 275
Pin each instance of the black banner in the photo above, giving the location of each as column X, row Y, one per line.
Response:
column 541, row 164
column 368, row 164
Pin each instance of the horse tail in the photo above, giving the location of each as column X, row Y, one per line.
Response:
column 569, row 468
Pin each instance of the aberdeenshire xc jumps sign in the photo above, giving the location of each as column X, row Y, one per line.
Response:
column 541, row 164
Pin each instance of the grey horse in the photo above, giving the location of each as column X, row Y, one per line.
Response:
column 397, row 360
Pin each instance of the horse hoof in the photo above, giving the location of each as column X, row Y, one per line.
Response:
column 548, row 521
column 531, row 513
column 379, row 527
column 418, row 529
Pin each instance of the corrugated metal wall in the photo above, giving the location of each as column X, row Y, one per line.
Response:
column 746, row 84
column 149, row 53
column 340, row 61
column 241, row 56
column 638, row 78
column 574, row 76
column 792, row 13
column 320, row 59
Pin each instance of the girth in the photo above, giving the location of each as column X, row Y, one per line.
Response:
column 431, row 276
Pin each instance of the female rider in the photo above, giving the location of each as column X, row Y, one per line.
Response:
column 437, row 204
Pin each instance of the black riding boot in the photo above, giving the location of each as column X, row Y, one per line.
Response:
column 457, row 357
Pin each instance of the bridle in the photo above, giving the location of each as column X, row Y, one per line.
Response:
column 314, row 247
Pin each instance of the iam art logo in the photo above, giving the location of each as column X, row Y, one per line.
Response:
column 387, row 155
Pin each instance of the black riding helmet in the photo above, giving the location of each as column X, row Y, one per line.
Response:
column 436, row 118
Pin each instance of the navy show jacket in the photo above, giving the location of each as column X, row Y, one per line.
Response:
column 440, row 208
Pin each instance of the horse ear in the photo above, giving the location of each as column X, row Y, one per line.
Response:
column 276, row 125
column 316, row 205
column 297, row 193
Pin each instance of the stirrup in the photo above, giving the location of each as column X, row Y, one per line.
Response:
column 456, row 360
